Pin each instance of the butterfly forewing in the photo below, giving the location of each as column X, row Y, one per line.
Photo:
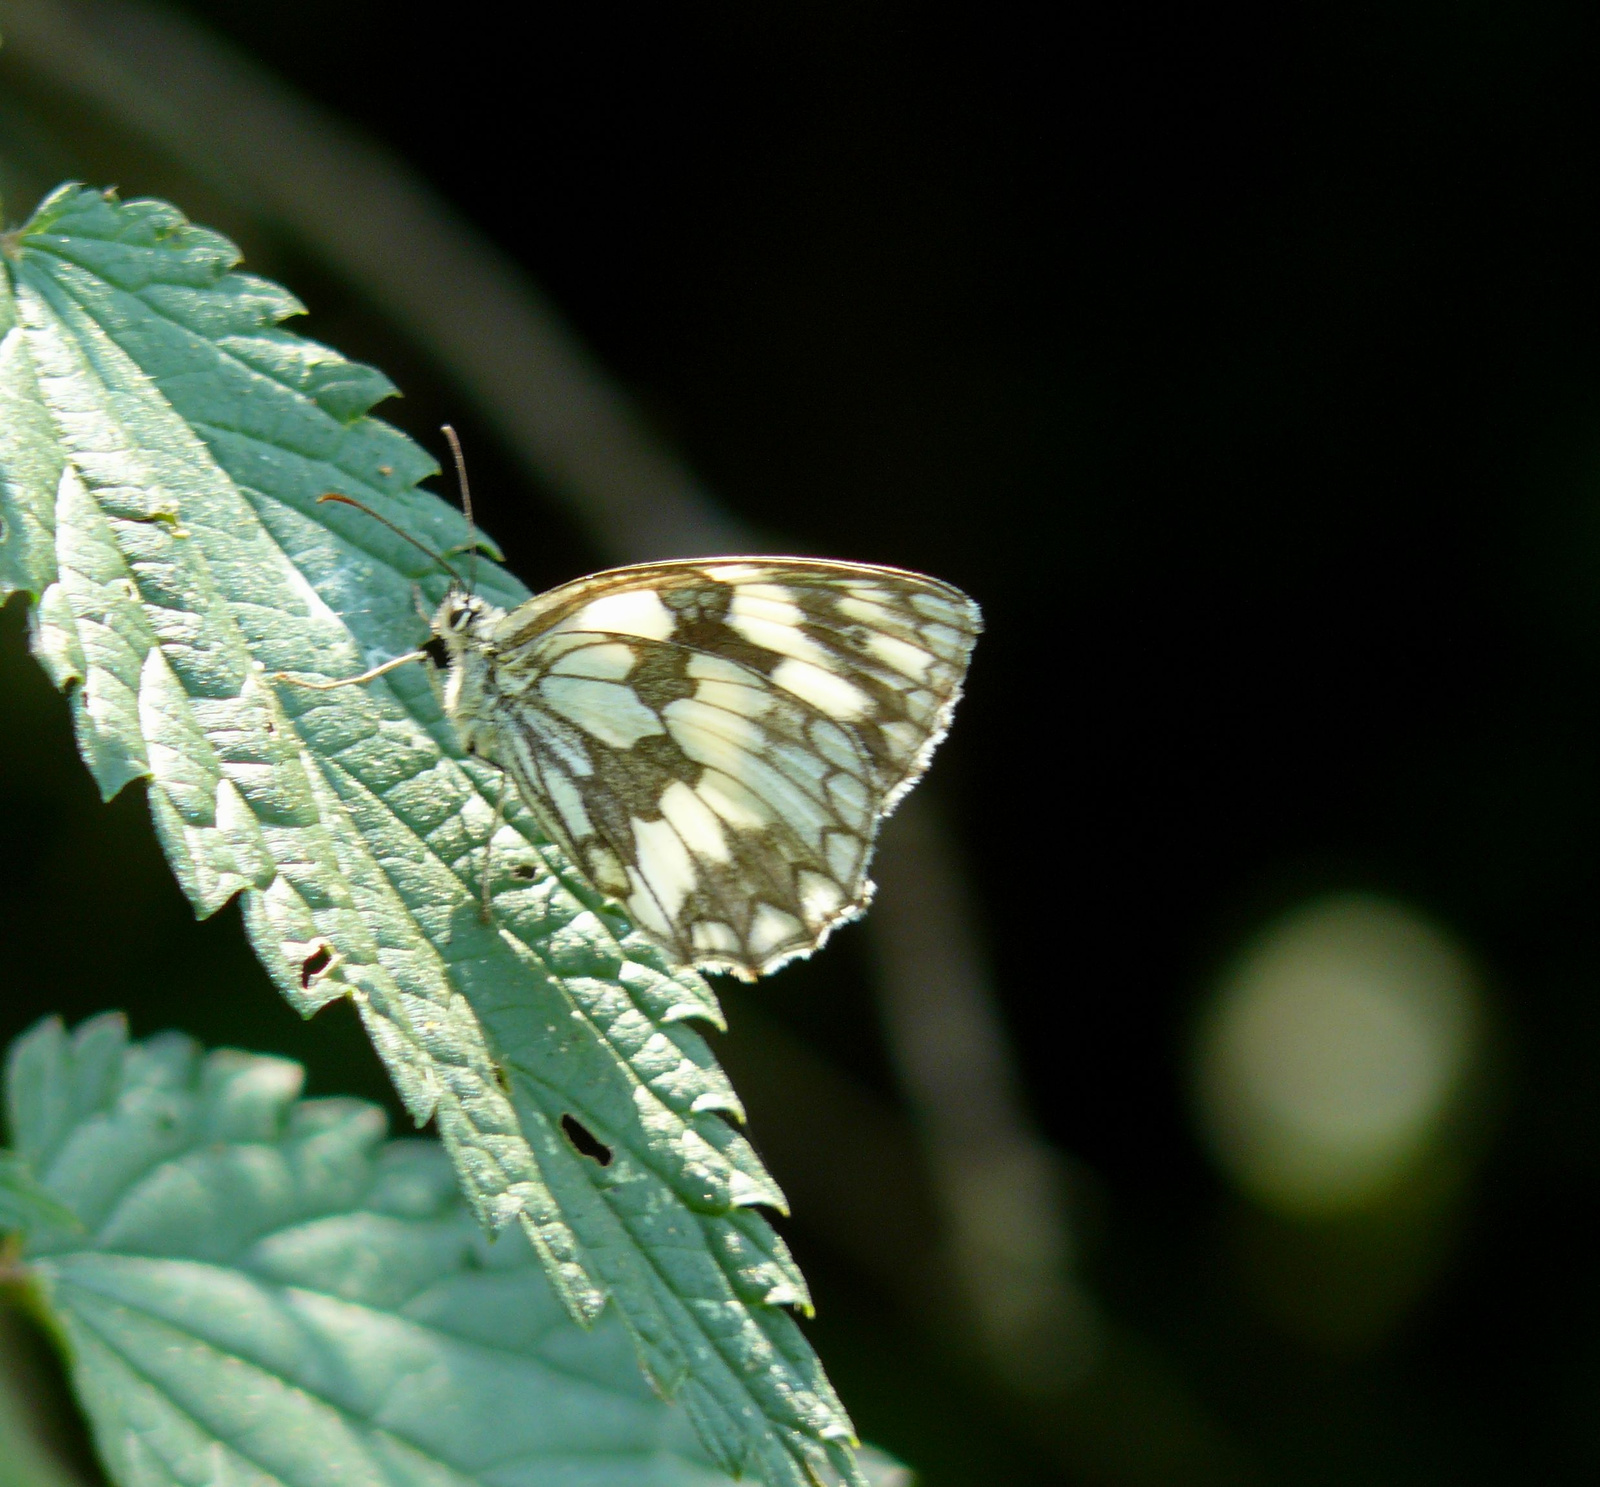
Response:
column 715, row 743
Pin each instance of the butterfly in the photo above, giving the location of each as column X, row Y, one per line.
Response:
column 713, row 742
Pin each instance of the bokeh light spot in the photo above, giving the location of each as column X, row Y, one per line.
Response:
column 1332, row 1052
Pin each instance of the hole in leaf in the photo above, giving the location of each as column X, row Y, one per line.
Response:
column 502, row 1079
column 437, row 652
column 315, row 964
column 585, row 1142
column 524, row 872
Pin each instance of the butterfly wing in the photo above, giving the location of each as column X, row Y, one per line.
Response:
column 716, row 742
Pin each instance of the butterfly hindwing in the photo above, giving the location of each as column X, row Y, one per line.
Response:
column 715, row 743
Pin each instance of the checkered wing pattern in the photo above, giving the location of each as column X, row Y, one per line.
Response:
column 716, row 742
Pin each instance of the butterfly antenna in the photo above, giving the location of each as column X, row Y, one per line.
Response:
column 466, row 504
column 398, row 531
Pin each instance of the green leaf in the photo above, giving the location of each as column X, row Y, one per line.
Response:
column 158, row 490
column 268, row 1292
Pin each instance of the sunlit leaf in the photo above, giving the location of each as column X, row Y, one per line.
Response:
column 267, row 1291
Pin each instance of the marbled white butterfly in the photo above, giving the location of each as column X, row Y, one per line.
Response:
column 714, row 742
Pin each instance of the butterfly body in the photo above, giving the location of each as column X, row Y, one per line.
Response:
column 715, row 742
column 469, row 692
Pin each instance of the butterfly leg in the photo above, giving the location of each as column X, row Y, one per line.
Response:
column 436, row 685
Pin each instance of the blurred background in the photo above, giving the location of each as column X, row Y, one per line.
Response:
column 1212, row 1097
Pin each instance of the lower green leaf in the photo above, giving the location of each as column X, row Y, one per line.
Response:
column 264, row 1290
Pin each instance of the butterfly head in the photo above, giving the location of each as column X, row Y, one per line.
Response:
column 457, row 617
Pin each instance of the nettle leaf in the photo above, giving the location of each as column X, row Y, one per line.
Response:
column 264, row 1290
column 163, row 443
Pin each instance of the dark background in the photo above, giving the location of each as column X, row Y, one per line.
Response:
column 1246, row 368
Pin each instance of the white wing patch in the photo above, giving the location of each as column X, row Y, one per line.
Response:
column 823, row 688
column 715, row 743
column 639, row 612
column 771, row 929
column 909, row 660
column 609, row 663
column 664, row 861
column 695, row 822
column 739, row 806
column 610, row 711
